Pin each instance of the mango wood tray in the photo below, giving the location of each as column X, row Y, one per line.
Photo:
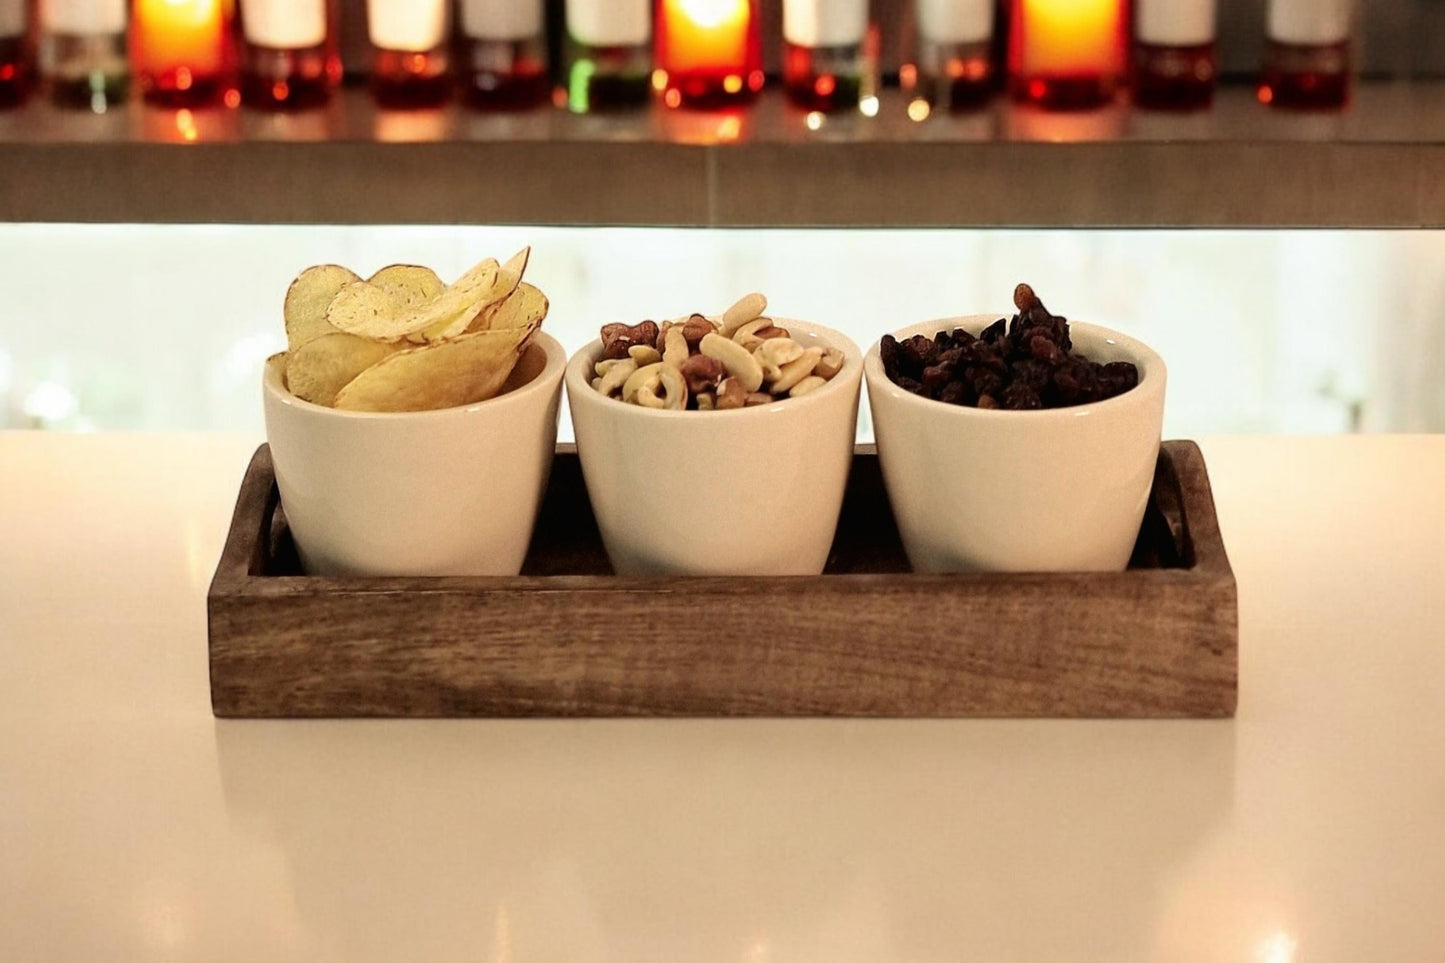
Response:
column 867, row 638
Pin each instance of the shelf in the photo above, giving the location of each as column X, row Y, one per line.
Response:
column 1379, row 164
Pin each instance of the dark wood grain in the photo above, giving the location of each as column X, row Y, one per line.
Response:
column 867, row 638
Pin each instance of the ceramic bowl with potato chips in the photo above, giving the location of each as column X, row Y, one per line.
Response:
column 411, row 423
column 447, row 492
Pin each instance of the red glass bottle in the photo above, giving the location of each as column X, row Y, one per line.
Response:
column 502, row 54
column 1067, row 54
column 824, row 57
column 179, row 51
column 707, row 54
column 16, row 64
column 1307, row 55
column 289, row 57
column 411, row 65
column 1174, row 58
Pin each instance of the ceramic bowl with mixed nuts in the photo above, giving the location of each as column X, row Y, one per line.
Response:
column 716, row 446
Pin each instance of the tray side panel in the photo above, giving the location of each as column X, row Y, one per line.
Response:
column 1162, row 647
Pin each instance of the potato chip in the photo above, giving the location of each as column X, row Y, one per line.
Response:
column 509, row 275
column 317, row 370
column 367, row 310
column 307, row 299
column 462, row 371
column 525, row 307
column 408, row 284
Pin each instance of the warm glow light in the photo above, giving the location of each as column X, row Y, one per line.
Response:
column 711, row 14
column 1071, row 38
column 907, row 75
column 814, row 120
column 919, row 110
column 186, row 125
column 730, row 129
column 732, row 83
column 868, row 106
column 659, row 80
column 1278, row 948
column 179, row 35
column 704, row 35
column 673, row 98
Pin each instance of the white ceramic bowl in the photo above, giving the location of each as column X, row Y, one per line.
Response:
column 447, row 492
column 752, row 491
column 1020, row 491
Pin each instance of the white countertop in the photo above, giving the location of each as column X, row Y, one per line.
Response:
column 134, row 826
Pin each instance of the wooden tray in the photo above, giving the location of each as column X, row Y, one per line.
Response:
column 867, row 638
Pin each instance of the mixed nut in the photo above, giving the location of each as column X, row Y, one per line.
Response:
column 1025, row 365
column 741, row 360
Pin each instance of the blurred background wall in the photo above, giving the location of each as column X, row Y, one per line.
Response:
column 165, row 327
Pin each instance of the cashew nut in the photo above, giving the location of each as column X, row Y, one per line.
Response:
column 613, row 374
column 675, row 351
column 641, row 387
column 796, row 370
column 740, row 364
column 807, row 385
column 746, row 334
column 706, row 401
column 758, row 398
column 748, row 306
column 773, row 353
column 644, row 354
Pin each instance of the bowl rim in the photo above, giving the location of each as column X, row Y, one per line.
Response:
column 1153, row 373
column 851, row 372
column 551, row 373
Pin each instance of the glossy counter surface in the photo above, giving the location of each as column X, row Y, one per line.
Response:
column 1381, row 163
column 134, row 826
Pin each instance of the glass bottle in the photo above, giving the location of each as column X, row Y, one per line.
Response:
column 289, row 58
column 411, row 65
column 83, row 52
column 955, row 63
column 1307, row 54
column 824, row 63
column 608, row 54
column 1174, row 58
column 1067, row 54
column 708, row 53
column 178, row 49
column 15, row 62
column 503, row 54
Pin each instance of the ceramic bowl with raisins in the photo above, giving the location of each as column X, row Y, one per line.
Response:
column 1023, row 443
